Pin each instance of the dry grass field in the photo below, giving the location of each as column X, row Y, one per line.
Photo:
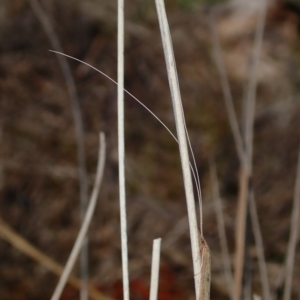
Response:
column 39, row 195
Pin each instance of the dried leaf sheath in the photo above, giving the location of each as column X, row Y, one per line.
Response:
column 205, row 273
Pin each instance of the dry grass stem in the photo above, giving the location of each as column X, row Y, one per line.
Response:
column 252, row 85
column 75, row 106
column 121, row 150
column 72, row 92
column 241, row 222
column 193, row 169
column 246, row 171
column 226, row 90
column 181, row 133
column 245, row 156
column 155, row 269
column 240, row 234
column 245, row 160
column 294, row 232
column 116, row 83
column 205, row 270
column 10, row 236
column 86, row 222
column 259, row 248
column 238, row 272
column 221, row 228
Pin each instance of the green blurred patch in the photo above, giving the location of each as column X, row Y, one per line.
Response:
column 190, row 4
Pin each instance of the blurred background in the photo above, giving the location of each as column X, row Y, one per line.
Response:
column 38, row 156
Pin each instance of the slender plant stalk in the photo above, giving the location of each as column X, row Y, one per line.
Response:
column 243, row 183
column 182, row 140
column 121, row 149
column 252, row 87
column 221, row 227
column 193, row 169
column 246, row 172
column 155, row 269
column 240, row 234
column 86, row 222
column 245, row 156
column 260, row 248
column 77, row 116
column 17, row 241
column 226, row 89
column 244, row 177
column 293, row 237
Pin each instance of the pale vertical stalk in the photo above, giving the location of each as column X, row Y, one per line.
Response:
column 121, row 149
column 293, row 237
column 77, row 116
column 180, row 127
column 252, row 87
column 244, row 157
column 260, row 248
column 221, row 227
column 247, row 167
column 244, row 107
column 240, row 235
column 243, row 183
column 226, row 90
column 155, row 269
column 86, row 222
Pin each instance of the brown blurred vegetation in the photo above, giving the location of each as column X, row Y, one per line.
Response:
column 38, row 160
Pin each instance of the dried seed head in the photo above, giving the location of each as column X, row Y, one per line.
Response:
column 205, row 272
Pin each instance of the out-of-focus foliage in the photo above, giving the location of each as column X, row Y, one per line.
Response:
column 190, row 4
